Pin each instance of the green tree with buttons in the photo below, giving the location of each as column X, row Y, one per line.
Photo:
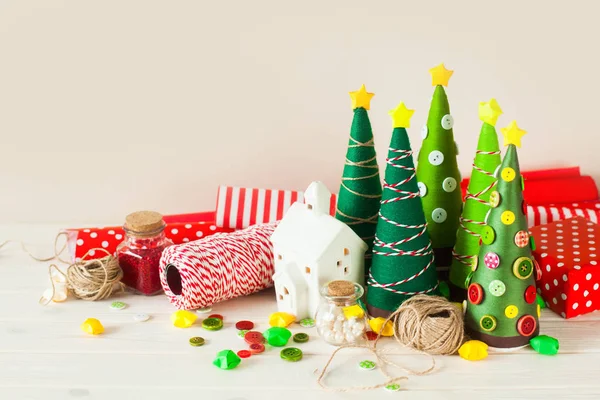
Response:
column 403, row 263
column 438, row 174
column 502, row 310
column 477, row 200
column 360, row 190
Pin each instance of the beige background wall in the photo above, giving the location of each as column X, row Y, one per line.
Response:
column 111, row 106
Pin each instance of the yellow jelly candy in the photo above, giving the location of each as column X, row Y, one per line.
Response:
column 183, row 318
column 281, row 319
column 92, row 326
column 377, row 325
column 473, row 350
column 354, row 311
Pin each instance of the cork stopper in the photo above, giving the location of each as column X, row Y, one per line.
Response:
column 144, row 222
column 340, row 288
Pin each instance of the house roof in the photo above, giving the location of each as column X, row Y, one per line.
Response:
column 310, row 234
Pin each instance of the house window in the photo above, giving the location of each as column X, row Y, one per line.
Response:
column 307, row 270
column 339, row 263
column 346, row 270
column 279, row 257
column 346, row 251
column 309, row 206
column 280, row 297
column 285, row 291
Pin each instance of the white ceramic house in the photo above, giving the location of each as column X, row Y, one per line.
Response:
column 312, row 248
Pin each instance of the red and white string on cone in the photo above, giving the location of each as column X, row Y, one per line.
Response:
column 221, row 267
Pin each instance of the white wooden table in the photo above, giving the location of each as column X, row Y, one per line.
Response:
column 45, row 355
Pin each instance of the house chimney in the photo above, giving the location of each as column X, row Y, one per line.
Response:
column 317, row 198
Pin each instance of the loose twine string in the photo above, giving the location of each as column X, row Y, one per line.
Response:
column 427, row 324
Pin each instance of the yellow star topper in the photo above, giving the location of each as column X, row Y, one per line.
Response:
column 489, row 112
column 361, row 98
column 440, row 75
column 401, row 116
column 513, row 134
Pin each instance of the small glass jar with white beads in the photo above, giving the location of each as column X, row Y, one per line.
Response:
column 340, row 319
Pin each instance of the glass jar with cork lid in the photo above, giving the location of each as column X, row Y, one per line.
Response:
column 139, row 253
column 340, row 319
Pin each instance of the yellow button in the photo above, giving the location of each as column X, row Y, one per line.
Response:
column 539, row 311
column 377, row 325
column 508, row 174
column 354, row 311
column 511, row 311
column 507, row 217
column 494, row 199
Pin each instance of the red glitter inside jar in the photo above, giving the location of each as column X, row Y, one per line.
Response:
column 139, row 254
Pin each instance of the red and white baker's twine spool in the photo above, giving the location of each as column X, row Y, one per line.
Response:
column 463, row 259
column 422, row 228
column 220, row 267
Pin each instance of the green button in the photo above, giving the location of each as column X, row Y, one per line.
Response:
column 488, row 323
column 367, row 365
column 497, row 288
column 212, row 324
column 291, row 354
column 308, row 322
column 117, row 305
column 523, row 267
column 242, row 333
column 488, row 235
column 392, row 387
column 196, row 341
column 300, row 338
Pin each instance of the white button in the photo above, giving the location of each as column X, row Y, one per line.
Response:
column 439, row 215
column 141, row 317
column 436, row 157
column 449, row 184
column 424, row 132
column 447, row 122
column 422, row 189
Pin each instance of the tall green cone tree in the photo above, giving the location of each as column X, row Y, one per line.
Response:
column 482, row 183
column 438, row 174
column 502, row 310
column 403, row 263
column 360, row 190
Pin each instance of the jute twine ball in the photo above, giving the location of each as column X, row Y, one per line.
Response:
column 430, row 324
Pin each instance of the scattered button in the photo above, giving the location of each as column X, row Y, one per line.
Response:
column 436, row 157
column 117, row 305
column 508, row 174
column 204, row 310
column 307, row 323
column 256, row 348
column 511, row 311
column 218, row 316
column 523, row 267
column 277, row 336
column 300, row 338
column 392, row 387
column 212, row 324
column 422, row 189
column 449, row 184
column 244, row 353
column 197, row 341
column 491, row 260
column 367, row 365
column 254, row 337
column 494, row 199
column 526, row 325
column 447, row 122
column 488, row 235
column 488, row 323
column 530, row 294
column 475, row 293
column 291, row 354
column 244, row 325
column 227, row 359
column 242, row 333
column 507, row 217
column 497, row 288
column 522, row 239
column 141, row 317
column 439, row 215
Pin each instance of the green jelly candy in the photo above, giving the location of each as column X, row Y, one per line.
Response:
column 227, row 359
column 277, row 336
column 540, row 301
column 545, row 344
column 444, row 290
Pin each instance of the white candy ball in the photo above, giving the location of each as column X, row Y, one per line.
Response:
column 341, row 317
column 328, row 316
column 329, row 336
column 337, row 326
column 339, row 337
column 350, row 337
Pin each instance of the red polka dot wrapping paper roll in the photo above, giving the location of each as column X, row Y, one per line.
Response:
column 218, row 268
column 569, row 260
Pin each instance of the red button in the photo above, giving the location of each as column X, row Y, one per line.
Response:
column 530, row 294
column 475, row 293
column 526, row 325
column 244, row 325
column 538, row 270
column 256, row 348
column 254, row 337
column 219, row 316
column 244, row 353
column 371, row 335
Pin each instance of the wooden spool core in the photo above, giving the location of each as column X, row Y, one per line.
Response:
column 144, row 222
column 340, row 288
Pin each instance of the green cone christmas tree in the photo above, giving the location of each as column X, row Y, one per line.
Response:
column 403, row 262
column 502, row 310
column 482, row 183
column 360, row 190
column 438, row 174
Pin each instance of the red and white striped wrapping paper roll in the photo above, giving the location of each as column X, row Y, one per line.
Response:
column 221, row 267
column 239, row 208
column 540, row 215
